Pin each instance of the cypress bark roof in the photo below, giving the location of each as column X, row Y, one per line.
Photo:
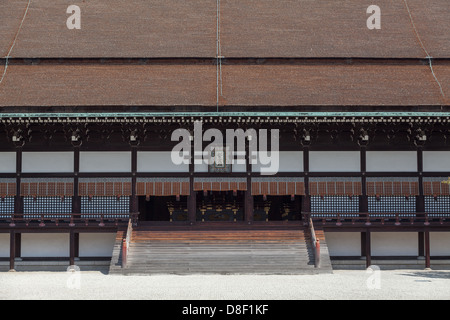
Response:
column 312, row 39
column 248, row 28
column 243, row 85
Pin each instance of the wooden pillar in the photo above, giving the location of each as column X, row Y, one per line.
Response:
column 427, row 250
column 76, row 200
column 421, row 238
column 12, row 249
column 134, row 200
column 249, row 201
column 306, row 203
column 72, row 248
column 420, row 199
column 192, row 202
column 366, row 250
column 18, row 245
column 192, row 198
column 363, row 199
column 18, row 200
column 76, row 245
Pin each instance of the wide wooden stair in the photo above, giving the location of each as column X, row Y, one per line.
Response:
column 219, row 248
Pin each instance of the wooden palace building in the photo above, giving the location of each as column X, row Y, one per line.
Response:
column 350, row 99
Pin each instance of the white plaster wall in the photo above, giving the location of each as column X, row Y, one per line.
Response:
column 7, row 162
column 334, row 161
column 203, row 167
column 47, row 162
column 239, row 167
column 158, row 162
column 291, row 161
column 440, row 243
column 391, row 161
column 343, row 243
column 395, row 243
column 436, row 161
column 288, row 161
column 45, row 245
column 96, row 244
column 105, row 161
column 4, row 245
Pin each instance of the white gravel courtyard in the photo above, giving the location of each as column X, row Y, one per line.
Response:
column 389, row 285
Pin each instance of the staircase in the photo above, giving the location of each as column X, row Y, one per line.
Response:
column 220, row 248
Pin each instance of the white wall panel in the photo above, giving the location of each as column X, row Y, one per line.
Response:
column 96, row 244
column 334, row 161
column 391, row 161
column 239, row 167
column 201, row 167
column 344, row 243
column 7, row 162
column 436, row 161
column 395, row 243
column 45, row 245
column 105, row 161
column 47, row 162
column 4, row 245
column 440, row 243
column 288, row 161
column 158, row 162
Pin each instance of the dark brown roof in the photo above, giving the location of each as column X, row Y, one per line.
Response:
column 108, row 85
column 243, row 85
column 248, row 28
column 392, row 71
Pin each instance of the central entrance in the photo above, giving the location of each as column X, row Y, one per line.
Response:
column 220, row 206
column 220, row 199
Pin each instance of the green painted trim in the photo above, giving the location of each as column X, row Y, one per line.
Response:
column 226, row 114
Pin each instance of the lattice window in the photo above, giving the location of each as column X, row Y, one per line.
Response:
column 49, row 207
column 6, row 207
column 439, row 205
column 345, row 205
column 392, row 205
column 96, row 206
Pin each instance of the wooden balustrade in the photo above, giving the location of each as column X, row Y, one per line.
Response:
column 368, row 219
column 314, row 241
column 71, row 219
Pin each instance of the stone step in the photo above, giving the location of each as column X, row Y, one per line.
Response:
column 185, row 250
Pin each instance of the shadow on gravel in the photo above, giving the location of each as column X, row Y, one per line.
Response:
column 429, row 274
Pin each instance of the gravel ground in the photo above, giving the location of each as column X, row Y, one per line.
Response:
column 94, row 285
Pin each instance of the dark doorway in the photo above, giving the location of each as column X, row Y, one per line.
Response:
column 220, row 206
column 163, row 208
